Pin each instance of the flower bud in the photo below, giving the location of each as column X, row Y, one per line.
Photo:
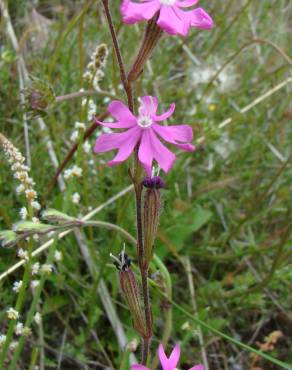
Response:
column 39, row 96
column 132, row 294
column 152, row 208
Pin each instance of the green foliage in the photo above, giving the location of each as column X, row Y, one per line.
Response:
column 227, row 206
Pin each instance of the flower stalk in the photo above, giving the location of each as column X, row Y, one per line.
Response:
column 152, row 36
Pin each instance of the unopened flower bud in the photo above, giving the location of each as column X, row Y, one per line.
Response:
column 152, row 208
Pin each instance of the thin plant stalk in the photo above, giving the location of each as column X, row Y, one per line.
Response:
column 32, row 309
column 138, row 193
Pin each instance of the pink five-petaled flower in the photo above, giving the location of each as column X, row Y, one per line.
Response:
column 143, row 131
column 174, row 17
column 168, row 363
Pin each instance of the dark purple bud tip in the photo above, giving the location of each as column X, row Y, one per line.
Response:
column 155, row 182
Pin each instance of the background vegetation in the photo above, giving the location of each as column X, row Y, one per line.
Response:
column 225, row 230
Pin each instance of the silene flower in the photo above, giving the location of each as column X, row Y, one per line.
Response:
column 145, row 133
column 173, row 16
column 168, row 363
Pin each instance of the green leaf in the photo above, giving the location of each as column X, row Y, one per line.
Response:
column 186, row 224
column 53, row 304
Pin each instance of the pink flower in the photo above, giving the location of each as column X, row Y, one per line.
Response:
column 145, row 133
column 168, row 363
column 172, row 18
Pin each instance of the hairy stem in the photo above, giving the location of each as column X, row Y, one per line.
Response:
column 124, row 80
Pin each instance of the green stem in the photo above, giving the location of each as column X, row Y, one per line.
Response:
column 18, row 306
column 32, row 310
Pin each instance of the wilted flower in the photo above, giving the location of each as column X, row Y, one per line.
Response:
column 173, row 17
column 168, row 363
column 144, row 131
column 12, row 314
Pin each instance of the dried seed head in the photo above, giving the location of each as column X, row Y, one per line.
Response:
column 39, row 97
column 132, row 295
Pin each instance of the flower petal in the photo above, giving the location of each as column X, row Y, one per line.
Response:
column 125, row 142
column 201, row 19
column 172, row 134
column 165, row 115
column 122, row 113
column 171, row 362
column 133, row 12
column 173, row 20
column 186, row 3
column 139, row 367
column 114, row 124
column 148, row 105
column 151, row 148
column 174, row 357
column 196, row 367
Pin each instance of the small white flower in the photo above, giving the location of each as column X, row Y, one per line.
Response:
column 35, row 268
column 21, row 176
column 30, row 194
column 2, row 339
column 16, row 286
column 30, row 181
column 76, row 198
column 36, row 237
column 107, row 130
column 13, row 345
column 20, row 189
column 67, row 174
column 58, row 256
column 47, row 268
column 74, row 136
column 23, row 213
column 35, row 220
column 34, row 284
column 22, row 254
column 76, row 171
column 87, row 76
column 91, row 110
column 37, row 318
column 86, row 147
column 35, row 205
column 12, row 314
column 80, row 125
column 71, row 172
column 18, row 328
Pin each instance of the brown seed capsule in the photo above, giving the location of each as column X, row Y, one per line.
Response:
column 152, row 35
column 152, row 208
column 132, row 294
